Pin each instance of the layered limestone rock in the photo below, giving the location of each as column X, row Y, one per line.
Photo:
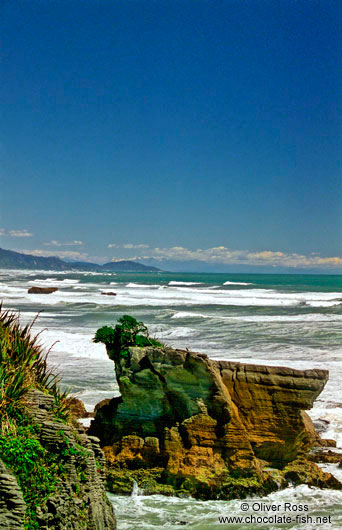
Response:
column 79, row 500
column 12, row 505
column 212, row 428
column 270, row 403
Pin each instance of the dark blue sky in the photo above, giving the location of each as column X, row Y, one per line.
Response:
column 191, row 124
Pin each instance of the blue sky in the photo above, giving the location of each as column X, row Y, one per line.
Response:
column 173, row 130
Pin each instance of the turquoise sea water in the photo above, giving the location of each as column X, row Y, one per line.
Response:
column 289, row 320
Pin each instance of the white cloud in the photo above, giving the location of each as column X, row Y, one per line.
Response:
column 15, row 233
column 130, row 245
column 20, row 233
column 127, row 245
column 214, row 255
column 55, row 243
column 224, row 255
column 72, row 254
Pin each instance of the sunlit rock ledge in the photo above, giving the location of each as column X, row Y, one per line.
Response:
column 186, row 424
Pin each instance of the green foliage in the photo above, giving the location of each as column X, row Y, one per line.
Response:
column 23, row 365
column 13, row 387
column 106, row 335
column 36, row 469
column 131, row 326
column 61, row 409
column 39, row 472
column 128, row 332
column 70, row 448
column 142, row 341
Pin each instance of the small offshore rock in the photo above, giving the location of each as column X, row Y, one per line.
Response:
column 42, row 290
column 326, row 456
column 305, row 472
column 78, row 409
column 321, row 425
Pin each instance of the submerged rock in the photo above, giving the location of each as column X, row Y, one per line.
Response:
column 303, row 471
column 215, row 429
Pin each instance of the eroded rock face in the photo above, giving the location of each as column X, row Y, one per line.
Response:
column 206, row 423
column 12, row 505
column 78, row 409
column 79, row 500
column 270, row 402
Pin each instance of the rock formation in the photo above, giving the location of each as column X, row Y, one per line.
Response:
column 12, row 505
column 42, row 290
column 214, row 429
column 78, row 409
column 78, row 500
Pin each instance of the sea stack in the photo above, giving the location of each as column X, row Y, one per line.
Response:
column 214, row 429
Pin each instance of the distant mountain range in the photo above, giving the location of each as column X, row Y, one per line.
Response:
column 15, row 260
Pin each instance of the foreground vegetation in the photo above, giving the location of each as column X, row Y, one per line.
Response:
column 23, row 367
column 39, row 461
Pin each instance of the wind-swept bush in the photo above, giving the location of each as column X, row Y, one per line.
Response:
column 128, row 332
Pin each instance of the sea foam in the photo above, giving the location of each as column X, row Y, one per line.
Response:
column 237, row 283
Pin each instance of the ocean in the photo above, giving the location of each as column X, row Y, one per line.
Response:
column 286, row 320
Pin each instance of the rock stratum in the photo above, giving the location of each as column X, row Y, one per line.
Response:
column 78, row 500
column 186, row 424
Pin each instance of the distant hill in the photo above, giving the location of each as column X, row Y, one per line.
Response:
column 128, row 266
column 15, row 260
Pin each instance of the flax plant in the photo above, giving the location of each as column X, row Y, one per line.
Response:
column 23, row 366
